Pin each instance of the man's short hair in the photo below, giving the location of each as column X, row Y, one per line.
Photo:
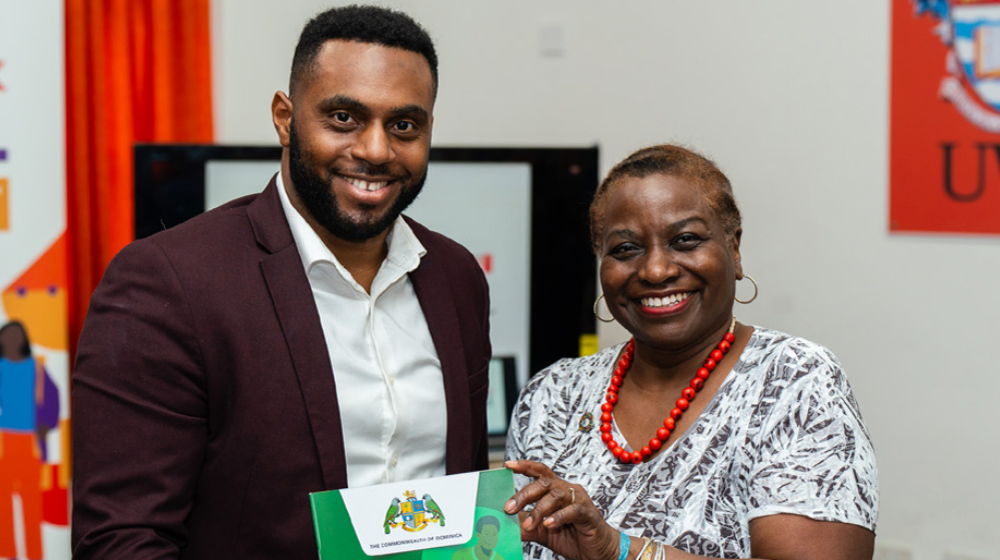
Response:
column 363, row 24
column 487, row 520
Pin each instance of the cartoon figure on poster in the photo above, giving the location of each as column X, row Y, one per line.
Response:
column 495, row 536
column 487, row 536
column 29, row 408
column 971, row 31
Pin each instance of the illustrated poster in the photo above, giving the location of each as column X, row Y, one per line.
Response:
column 944, row 156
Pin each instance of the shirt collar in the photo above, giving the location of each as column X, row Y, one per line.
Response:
column 405, row 250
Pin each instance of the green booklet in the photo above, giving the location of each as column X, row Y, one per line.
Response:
column 456, row 517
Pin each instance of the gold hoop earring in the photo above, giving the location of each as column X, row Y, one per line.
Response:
column 598, row 315
column 752, row 281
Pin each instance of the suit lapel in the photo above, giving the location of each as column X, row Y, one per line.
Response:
column 299, row 319
column 433, row 289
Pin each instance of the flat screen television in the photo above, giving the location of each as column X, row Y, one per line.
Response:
column 521, row 211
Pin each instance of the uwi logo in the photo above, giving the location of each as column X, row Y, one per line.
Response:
column 412, row 514
column 971, row 31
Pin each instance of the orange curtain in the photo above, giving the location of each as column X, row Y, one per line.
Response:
column 136, row 71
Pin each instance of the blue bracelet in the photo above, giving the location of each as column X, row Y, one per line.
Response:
column 623, row 545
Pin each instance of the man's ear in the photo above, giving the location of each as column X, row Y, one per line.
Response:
column 281, row 115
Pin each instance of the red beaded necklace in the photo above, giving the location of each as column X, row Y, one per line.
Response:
column 682, row 404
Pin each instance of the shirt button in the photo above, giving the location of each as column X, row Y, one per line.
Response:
column 392, row 382
column 395, row 460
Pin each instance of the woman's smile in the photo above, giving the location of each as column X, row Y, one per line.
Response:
column 669, row 304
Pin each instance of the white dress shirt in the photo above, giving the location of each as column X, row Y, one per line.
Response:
column 389, row 384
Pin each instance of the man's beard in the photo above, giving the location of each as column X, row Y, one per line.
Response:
column 319, row 200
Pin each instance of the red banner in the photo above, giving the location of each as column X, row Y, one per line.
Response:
column 944, row 150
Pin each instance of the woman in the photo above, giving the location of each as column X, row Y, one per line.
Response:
column 29, row 407
column 701, row 437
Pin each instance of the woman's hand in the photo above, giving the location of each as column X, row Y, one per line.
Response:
column 564, row 518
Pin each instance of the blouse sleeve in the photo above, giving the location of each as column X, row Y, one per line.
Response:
column 813, row 455
column 518, row 421
column 520, row 426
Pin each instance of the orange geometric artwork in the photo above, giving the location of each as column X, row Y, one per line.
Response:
column 38, row 298
column 4, row 195
column 4, row 204
column 35, row 308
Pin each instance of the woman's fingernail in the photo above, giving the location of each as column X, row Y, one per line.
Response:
column 509, row 506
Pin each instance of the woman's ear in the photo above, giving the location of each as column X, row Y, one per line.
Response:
column 737, row 260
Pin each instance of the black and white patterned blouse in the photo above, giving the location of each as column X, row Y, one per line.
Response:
column 783, row 434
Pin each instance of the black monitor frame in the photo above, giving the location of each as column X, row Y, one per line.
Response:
column 170, row 188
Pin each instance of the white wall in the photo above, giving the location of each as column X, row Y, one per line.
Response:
column 791, row 98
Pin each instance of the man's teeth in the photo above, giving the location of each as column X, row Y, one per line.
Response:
column 366, row 186
column 672, row 299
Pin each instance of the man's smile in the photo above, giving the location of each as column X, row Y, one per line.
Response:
column 366, row 185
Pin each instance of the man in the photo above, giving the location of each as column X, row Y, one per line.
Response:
column 303, row 339
column 487, row 536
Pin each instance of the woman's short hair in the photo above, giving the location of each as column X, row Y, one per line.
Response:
column 673, row 161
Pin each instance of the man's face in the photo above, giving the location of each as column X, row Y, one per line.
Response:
column 359, row 136
column 489, row 536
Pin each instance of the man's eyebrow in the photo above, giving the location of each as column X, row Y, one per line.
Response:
column 414, row 110
column 341, row 101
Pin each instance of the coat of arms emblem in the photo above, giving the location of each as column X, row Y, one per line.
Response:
column 971, row 31
column 412, row 514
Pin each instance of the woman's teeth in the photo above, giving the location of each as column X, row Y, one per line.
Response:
column 672, row 299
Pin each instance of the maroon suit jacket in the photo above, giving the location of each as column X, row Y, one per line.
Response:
column 205, row 404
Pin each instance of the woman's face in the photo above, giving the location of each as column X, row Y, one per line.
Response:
column 12, row 340
column 668, row 269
